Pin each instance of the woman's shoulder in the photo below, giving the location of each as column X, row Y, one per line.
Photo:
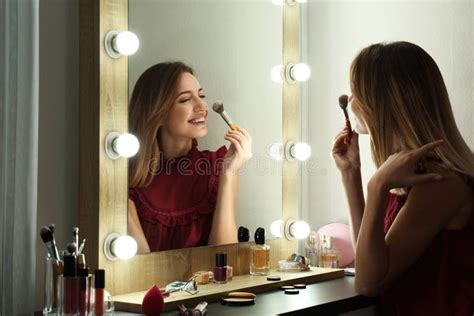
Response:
column 449, row 197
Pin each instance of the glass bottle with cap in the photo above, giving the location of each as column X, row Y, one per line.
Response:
column 259, row 254
column 327, row 257
column 220, row 271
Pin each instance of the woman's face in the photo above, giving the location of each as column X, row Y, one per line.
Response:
column 360, row 126
column 188, row 114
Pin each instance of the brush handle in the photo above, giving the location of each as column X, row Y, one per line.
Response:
column 346, row 114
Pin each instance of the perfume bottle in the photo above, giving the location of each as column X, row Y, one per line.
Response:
column 259, row 254
column 327, row 257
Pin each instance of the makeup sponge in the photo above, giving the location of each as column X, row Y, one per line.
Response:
column 341, row 241
column 153, row 302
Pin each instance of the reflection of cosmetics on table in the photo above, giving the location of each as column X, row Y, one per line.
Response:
column 220, row 271
column 327, row 257
column 229, row 273
column 70, row 285
column 243, row 234
column 218, row 107
column 99, row 285
column 204, row 277
column 343, row 101
column 259, row 254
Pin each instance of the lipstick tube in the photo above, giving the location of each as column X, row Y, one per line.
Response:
column 84, row 291
column 99, row 285
column 69, row 287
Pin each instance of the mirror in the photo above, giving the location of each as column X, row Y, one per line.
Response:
column 232, row 57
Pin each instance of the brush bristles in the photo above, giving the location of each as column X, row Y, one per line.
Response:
column 71, row 247
column 218, row 107
column 343, row 100
column 76, row 230
column 46, row 234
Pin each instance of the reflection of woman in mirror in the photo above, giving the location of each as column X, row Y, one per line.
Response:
column 415, row 231
column 180, row 196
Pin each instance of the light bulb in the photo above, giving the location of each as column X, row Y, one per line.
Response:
column 300, row 151
column 300, row 230
column 300, row 72
column 275, row 228
column 126, row 43
column 124, row 247
column 275, row 73
column 126, row 145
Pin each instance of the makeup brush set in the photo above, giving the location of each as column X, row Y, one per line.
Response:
column 68, row 284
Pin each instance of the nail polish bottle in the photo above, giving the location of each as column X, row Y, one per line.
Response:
column 220, row 271
column 327, row 257
column 259, row 254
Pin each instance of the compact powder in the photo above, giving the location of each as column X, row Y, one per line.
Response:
column 287, row 287
column 299, row 286
column 237, row 301
column 242, row 295
column 273, row 278
column 292, row 291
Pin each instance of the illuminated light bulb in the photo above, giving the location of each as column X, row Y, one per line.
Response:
column 300, row 151
column 275, row 228
column 299, row 230
column 119, row 247
column 121, row 43
column 126, row 43
column 300, row 72
column 276, row 73
column 121, row 145
column 126, row 145
column 124, row 247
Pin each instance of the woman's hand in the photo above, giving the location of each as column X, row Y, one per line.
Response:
column 240, row 149
column 402, row 169
column 346, row 154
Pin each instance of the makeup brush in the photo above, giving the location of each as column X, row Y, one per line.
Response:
column 51, row 228
column 343, row 101
column 218, row 107
column 71, row 248
column 48, row 239
column 81, row 247
column 75, row 234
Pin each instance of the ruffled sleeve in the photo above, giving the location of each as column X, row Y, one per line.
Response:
column 216, row 159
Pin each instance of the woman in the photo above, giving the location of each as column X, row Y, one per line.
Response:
column 180, row 196
column 413, row 234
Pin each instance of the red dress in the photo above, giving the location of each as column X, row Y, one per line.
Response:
column 441, row 281
column 176, row 209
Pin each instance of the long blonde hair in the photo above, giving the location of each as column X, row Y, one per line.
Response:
column 403, row 99
column 152, row 99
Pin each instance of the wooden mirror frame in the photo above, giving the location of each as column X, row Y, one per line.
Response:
column 104, row 182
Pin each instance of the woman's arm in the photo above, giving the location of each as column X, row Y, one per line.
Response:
column 380, row 259
column 346, row 156
column 224, row 225
column 135, row 230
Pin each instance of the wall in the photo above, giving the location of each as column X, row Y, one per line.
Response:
column 334, row 32
column 232, row 45
column 58, row 178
